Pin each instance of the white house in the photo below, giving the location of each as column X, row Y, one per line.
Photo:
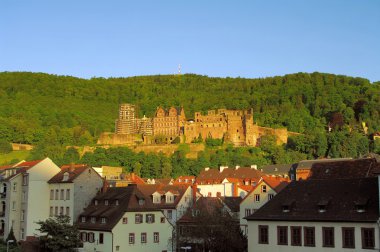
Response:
column 24, row 197
column 335, row 209
column 72, row 189
column 125, row 219
column 266, row 189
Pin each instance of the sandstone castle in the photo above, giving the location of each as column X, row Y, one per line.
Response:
column 234, row 126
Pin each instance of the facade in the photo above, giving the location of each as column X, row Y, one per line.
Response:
column 234, row 126
column 335, row 209
column 72, row 189
column 21, row 197
column 266, row 189
column 124, row 219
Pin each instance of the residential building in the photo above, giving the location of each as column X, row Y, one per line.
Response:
column 72, row 189
column 265, row 190
column 303, row 167
column 335, row 209
column 280, row 170
column 24, row 197
column 227, row 182
column 125, row 219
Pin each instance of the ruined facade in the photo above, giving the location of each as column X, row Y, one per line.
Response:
column 234, row 126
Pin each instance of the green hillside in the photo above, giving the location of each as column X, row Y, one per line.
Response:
column 56, row 111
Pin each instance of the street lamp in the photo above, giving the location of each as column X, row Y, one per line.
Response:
column 186, row 248
column 9, row 241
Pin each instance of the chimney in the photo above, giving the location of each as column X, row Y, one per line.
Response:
column 105, row 186
column 221, row 168
column 194, row 191
column 207, row 168
column 235, row 190
column 254, row 167
column 237, row 167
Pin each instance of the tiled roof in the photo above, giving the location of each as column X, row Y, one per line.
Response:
column 72, row 170
column 276, row 183
column 217, row 176
column 246, row 188
column 307, row 164
column 233, row 203
column 148, row 190
column 23, row 167
column 355, row 168
column 304, row 197
column 276, row 169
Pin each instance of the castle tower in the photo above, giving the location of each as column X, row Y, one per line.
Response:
column 125, row 124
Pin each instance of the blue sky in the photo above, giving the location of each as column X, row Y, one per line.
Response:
column 216, row 38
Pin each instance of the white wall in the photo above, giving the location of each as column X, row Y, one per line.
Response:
column 226, row 190
column 63, row 202
column 96, row 246
column 254, row 246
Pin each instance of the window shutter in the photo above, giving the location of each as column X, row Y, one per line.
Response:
column 153, row 218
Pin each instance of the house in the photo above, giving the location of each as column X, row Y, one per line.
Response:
column 124, row 219
column 205, row 225
column 23, row 191
column 335, row 209
column 184, row 180
column 72, row 189
column 266, row 189
column 303, row 167
column 226, row 182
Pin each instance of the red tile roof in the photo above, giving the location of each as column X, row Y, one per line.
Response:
column 215, row 176
column 72, row 170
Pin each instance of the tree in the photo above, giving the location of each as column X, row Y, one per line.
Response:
column 60, row 234
column 5, row 147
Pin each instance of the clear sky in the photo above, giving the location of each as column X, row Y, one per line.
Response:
column 104, row 38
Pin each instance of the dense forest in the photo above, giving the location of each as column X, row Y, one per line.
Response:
column 52, row 111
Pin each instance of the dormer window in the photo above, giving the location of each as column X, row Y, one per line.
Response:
column 195, row 212
column 95, row 202
column 103, row 220
column 117, row 202
column 65, row 176
column 263, row 188
column 106, row 202
column 361, row 205
column 287, row 206
column 156, row 198
column 93, row 219
column 322, row 205
column 141, row 202
column 169, row 198
column 83, row 219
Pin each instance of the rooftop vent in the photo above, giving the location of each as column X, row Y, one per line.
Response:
column 65, row 176
column 287, row 205
column 221, row 168
column 322, row 205
column 254, row 167
column 207, row 168
column 361, row 205
column 237, row 167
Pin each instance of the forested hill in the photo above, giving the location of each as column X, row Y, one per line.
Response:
column 37, row 106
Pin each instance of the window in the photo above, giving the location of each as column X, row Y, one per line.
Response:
column 106, row 202
column 51, row 194
column 51, row 211
column 125, row 220
column 141, row 202
column 22, row 234
column 143, row 237
column 131, row 238
column 368, row 238
column 95, row 202
column 67, row 211
column 83, row 236
column 14, row 186
column 263, row 188
column 263, row 234
column 83, row 219
column 117, row 248
column 23, row 196
column 61, row 210
column 91, row 237
column 282, row 235
column 138, row 218
column 247, row 212
column 149, row 218
column 156, row 237
column 157, row 199
column 170, row 214
column 296, row 236
column 62, row 194
column 270, row 196
column 13, row 205
column 348, row 237
column 309, row 236
column 93, row 219
column 328, row 236
column 101, row 238
column 209, row 194
column 67, row 194
column 57, row 194
column 162, row 219
column 103, row 220
column 169, row 198
column 257, row 197
column 22, row 215
column 117, row 202
column 56, row 211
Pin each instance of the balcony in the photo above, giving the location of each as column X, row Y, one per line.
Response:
column 3, row 195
